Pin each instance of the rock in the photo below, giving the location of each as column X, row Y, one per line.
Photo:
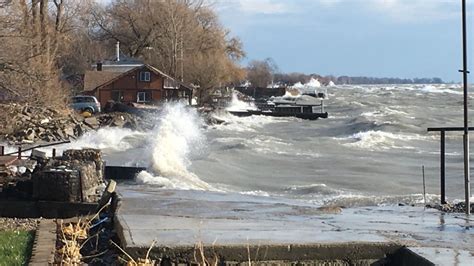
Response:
column 78, row 131
column 31, row 123
column 330, row 209
column 118, row 121
column 69, row 131
column 450, row 208
column 59, row 134
column 92, row 122
column 30, row 134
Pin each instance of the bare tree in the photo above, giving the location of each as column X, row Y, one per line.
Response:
column 261, row 73
column 34, row 35
column 181, row 37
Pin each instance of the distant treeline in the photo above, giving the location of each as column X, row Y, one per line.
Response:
column 292, row 78
column 371, row 80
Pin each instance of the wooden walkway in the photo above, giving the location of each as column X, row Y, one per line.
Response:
column 44, row 244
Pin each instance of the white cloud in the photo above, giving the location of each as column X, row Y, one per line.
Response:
column 254, row 7
column 416, row 10
column 403, row 11
column 264, row 6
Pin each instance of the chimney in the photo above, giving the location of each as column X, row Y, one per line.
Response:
column 99, row 66
column 117, row 50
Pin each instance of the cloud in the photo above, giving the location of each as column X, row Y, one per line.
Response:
column 397, row 11
column 254, row 7
column 264, row 6
column 416, row 10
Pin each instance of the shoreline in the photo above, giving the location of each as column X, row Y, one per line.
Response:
column 181, row 219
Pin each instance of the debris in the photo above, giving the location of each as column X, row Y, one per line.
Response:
column 28, row 124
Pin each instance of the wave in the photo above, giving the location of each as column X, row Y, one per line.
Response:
column 436, row 89
column 252, row 123
column 259, row 193
column 385, row 112
column 357, row 200
column 361, row 124
column 380, row 140
column 322, row 194
column 111, row 140
column 313, row 189
column 423, row 88
column 183, row 182
column 238, row 105
column 178, row 135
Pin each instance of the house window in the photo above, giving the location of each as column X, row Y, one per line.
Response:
column 145, row 76
column 117, row 96
column 144, row 97
column 169, row 83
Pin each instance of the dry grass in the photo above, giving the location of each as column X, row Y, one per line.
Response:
column 200, row 257
column 140, row 261
column 73, row 237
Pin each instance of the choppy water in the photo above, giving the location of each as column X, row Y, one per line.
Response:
column 369, row 151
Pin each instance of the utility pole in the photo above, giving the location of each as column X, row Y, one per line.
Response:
column 467, row 182
column 182, row 58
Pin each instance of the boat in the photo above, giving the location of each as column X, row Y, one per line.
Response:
column 306, row 106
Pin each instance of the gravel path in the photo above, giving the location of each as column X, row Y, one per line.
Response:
column 18, row 224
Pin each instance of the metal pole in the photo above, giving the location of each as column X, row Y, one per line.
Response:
column 467, row 185
column 424, row 186
column 443, row 167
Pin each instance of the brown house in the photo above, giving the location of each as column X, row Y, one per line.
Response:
column 133, row 83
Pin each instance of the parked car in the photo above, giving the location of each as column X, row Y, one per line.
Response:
column 84, row 103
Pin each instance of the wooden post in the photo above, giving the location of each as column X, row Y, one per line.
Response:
column 443, row 167
column 54, row 153
column 2, row 150
column 108, row 192
column 19, row 152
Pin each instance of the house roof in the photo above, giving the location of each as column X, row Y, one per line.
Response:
column 157, row 71
column 97, row 79
column 94, row 79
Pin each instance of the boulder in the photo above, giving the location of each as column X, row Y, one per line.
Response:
column 29, row 134
column 69, row 131
column 92, row 122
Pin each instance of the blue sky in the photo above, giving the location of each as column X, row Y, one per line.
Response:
column 380, row 38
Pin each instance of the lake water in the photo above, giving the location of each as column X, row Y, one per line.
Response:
column 370, row 151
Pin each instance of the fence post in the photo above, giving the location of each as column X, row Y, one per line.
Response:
column 443, row 167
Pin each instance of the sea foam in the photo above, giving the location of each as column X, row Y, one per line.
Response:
column 178, row 135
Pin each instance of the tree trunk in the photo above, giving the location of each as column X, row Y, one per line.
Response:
column 44, row 33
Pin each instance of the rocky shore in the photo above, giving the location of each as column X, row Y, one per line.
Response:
column 24, row 124
column 451, row 207
column 29, row 124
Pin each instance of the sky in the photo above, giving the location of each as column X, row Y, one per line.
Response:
column 378, row 38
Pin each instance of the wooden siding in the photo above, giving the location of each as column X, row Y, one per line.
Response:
column 130, row 85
